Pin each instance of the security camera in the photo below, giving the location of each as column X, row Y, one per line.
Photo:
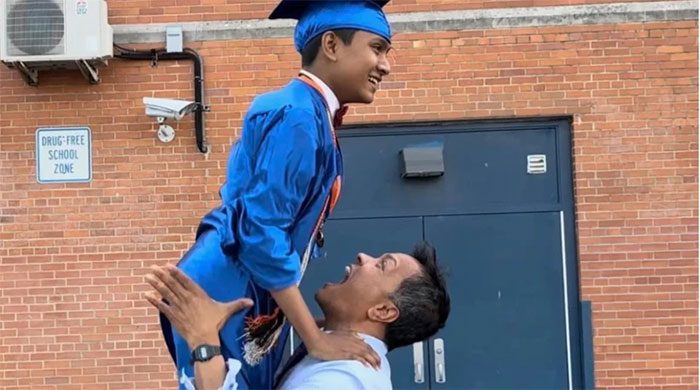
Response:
column 163, row 109
column 168, row 108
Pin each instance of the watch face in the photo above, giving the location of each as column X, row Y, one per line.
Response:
column 205, row 352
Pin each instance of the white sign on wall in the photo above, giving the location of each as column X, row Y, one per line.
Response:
column 63, row 155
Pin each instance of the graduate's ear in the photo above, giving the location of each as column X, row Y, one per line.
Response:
column 385, row 312
column 329, row 46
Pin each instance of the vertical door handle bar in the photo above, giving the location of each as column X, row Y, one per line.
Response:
column 439, row 353
column 418, row 366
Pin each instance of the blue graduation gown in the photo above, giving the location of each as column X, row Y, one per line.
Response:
column 280, row 175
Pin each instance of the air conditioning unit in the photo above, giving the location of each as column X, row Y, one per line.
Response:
column 54, row 34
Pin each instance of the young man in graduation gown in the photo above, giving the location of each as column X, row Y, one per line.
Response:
column 283, row 180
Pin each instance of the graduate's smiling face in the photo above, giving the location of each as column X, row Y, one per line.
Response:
column 360, row 66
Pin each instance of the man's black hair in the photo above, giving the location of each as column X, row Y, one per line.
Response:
column 309, row 53
column 422, row 301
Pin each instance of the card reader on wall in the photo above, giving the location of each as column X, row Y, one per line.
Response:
column 422, row 161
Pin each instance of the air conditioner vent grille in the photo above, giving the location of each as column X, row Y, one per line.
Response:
column 35, row 27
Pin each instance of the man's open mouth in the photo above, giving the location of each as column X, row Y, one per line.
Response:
column 348, row 271
column 374, row 81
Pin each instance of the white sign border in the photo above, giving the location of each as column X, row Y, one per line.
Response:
column 36, row 154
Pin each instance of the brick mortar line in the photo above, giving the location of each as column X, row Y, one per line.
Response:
column 414, row 22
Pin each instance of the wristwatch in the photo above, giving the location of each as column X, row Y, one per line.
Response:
column 205, row 352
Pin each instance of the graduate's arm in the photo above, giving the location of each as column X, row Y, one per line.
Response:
column 286, row 163
column 321, row 345
column 292, row 304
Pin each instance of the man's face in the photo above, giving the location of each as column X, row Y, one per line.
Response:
column 368, row 282
column 361, row 66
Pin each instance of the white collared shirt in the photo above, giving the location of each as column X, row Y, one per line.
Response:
column 331, row 99
column 314, row 374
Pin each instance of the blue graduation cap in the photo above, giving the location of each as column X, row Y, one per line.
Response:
column 318, row 16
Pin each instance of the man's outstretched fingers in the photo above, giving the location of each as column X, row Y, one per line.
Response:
column 161, row 287
column 150, row 297
column 153, row 294
column 159, row 304
column 183, row 280
column 166, row 278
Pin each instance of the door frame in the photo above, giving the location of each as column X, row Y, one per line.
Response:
column 562, row 127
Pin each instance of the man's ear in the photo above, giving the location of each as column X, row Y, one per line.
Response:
column 329, row 46
column 385, row 312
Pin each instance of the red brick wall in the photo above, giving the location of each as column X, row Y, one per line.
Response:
column 73, row 257
column 166, row 11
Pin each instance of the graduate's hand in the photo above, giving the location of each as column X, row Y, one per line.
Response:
column 343, row 346
column 339, row 345
column 196, row 316
column 320, row 322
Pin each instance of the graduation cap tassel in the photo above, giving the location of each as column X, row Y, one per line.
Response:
column 261, row 335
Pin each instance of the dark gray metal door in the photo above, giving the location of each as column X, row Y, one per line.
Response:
column 501, row 218
column 507, row 328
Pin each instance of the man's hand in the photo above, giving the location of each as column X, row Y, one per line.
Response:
column 194, row 314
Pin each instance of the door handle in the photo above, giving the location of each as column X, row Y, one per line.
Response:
column 439, row 354
column 418, row 366
column 291, row 341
